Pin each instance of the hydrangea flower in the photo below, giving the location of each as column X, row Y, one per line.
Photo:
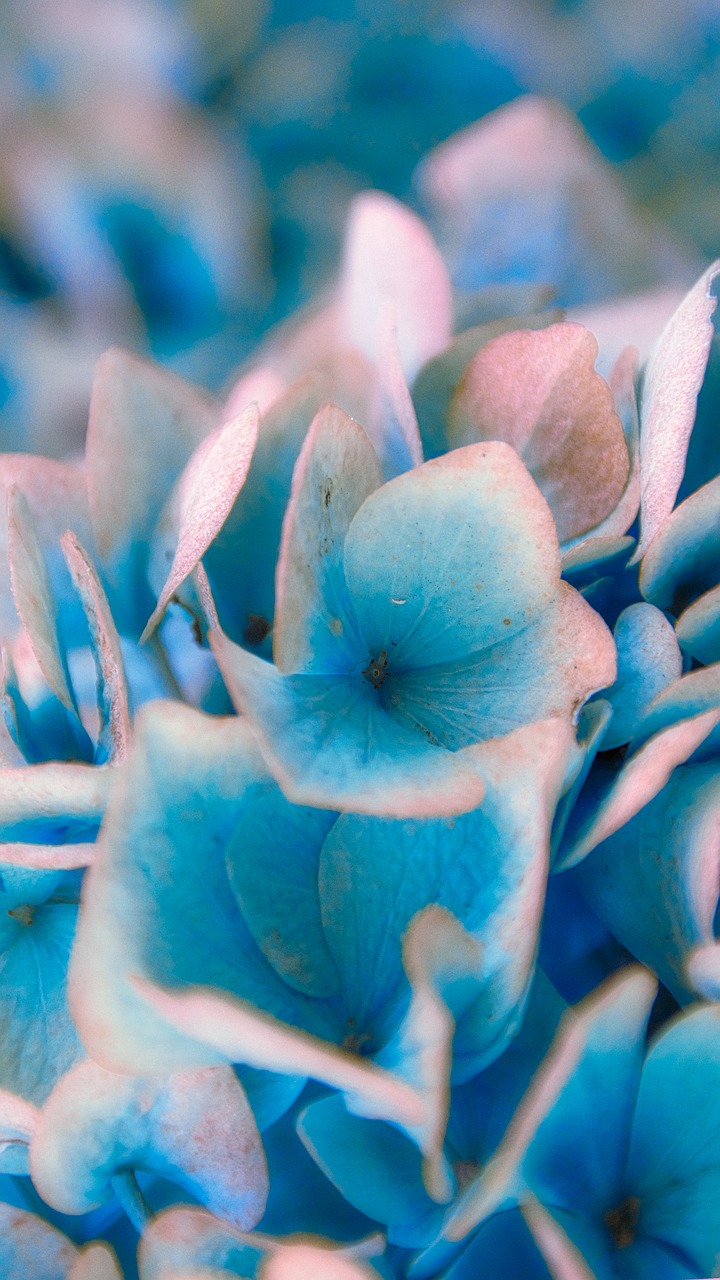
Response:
column 304, row 991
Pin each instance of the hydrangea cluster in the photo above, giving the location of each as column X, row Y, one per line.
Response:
column 359, row 791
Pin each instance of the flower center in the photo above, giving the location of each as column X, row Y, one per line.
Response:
column 466, row 1171
column 23, row 913
column 622, row 1222
column 376, row 670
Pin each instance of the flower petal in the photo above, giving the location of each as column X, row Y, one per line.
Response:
column 539, row 392
column 33, row 599
column 175, row 806
column 375, row 1166
column 18, row 1121
column 315, row 628
column 673, row 1167
column 96, row 1262
column 389, row 254
column 30, row 1249
column 667, row 858
column 568, row 1139
column 545, row 670
column 330, row 744
column 144, row 424
column 682, row 561
column 437, row 559
column 114, row 738
column 207, row 490
column 648, row 661
column 195, row 1129
column 671, row 386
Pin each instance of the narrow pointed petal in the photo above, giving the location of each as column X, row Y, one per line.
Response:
column 673, row 1167
column 443, row 963
column 315, row 626
column 639, row 781
column 195, row 1129
column 56, row 798
column 33, row 599
column 564, row 1260
column 389, row 254
column 144, row 424
column 57, row 500
column 241, row 561
column 47, row 857
column 539, row 392
column 207, row 490
column 671, row 385
column 395, row 433
column 114, row 738
column 330, row 744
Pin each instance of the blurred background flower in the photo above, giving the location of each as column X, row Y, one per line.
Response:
column 175, row 174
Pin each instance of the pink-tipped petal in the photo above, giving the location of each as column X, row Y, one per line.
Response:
column 207, row 489
column 96, row 1262
column 672, row 382
column 389, row 254
column 644, row 775
column 241, row 1033
column 33, row 598
column 112, row 685
column 539, row 392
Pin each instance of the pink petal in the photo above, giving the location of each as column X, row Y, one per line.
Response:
column 114, row 709
column 389, row 254
column 207, row 491
column 673, row 379
column 538, row 391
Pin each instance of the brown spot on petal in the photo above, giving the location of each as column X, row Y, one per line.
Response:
column 622, row 1222
column 24, row 913
column 257, row 629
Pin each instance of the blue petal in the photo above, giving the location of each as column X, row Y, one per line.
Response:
column 673, row 1165
column 666, row 859
column 176, row 804
column 648, row 661
column 315, row 626
column 440, row 557
column 272, row 862
column 329, row 743
column 38, row 1041
column 545, row 670
column 376, row 1168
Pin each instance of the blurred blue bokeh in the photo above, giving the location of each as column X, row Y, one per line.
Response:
column 175, row 173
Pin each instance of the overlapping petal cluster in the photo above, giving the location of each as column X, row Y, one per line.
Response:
column 319, row 899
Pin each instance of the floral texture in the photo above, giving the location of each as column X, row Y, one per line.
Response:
column 359, row 782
